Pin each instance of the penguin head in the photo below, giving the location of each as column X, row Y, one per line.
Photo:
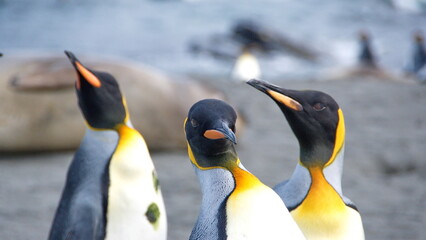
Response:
column 315, row 119
column 418, row 37
column 99, row 97
column 210, row 132
column 363, row 36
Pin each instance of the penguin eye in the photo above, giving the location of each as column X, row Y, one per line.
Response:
column 318, row 107
column 194, row 123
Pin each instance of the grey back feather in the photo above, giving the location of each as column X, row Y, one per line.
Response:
column 81, row 211
column 216, row 186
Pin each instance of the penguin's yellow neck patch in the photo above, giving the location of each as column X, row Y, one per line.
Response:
column 127, row 118
column 323, row 210
column 244, row 180
column 194, row 161
column 127, row 134
column 340, row 137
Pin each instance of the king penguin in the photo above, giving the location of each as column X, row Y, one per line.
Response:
column 235, row 204
column 246, row 65
column 111, row 189
column 366, row 56
column 313, row 194
column 418, row 57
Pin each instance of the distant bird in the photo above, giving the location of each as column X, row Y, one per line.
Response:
column 1, row 54
column 366, row 56
column 313, row 194
column 112, row 189
column 249, row 32
column 246, row 66
column 235, row 204
column 367, row 66
column 418, row 56
column 197, row 48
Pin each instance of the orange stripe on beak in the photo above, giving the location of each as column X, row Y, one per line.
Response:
column 90, row 77
column 214, row 134
column 289, row 102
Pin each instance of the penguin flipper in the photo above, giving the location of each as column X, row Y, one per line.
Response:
column 82, row 221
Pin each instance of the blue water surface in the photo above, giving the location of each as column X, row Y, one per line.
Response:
column 158, row 32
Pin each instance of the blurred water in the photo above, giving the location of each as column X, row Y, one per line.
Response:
column 158, row 32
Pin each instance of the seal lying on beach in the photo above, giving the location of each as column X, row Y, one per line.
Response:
column 40, row 113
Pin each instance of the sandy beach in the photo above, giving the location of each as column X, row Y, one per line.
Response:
column 384, row 172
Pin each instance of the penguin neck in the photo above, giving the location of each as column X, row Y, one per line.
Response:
column 125, row 129
column 132, row 149
column 323, row 202
column 216, row 185
column 204, row 161
column 328, row 160
column 128, row 136
column 331, row 172
column 238, row 177
column 127, row 123
column 244, row 180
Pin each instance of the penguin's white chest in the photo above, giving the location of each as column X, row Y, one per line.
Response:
column 259, row 213
column 135, row 207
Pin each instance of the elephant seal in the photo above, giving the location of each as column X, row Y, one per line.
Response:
column 39, row 107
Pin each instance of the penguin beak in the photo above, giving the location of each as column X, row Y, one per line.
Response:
column 83, row 72
column 220, row 132
column 278, row 94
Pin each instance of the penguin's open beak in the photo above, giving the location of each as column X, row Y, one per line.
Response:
column 280, row 95
column 83, row 72
column 221, row 131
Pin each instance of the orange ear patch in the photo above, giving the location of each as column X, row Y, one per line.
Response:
column 289, row 102
column 213, row 134
column 90, row 77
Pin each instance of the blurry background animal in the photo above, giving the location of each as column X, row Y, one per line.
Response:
column 37, row 101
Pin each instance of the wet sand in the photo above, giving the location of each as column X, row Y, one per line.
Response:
column 384, row 172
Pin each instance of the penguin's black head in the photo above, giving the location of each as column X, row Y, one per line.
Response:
column 314, row 118
column 99, row 97
column 210, row 131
